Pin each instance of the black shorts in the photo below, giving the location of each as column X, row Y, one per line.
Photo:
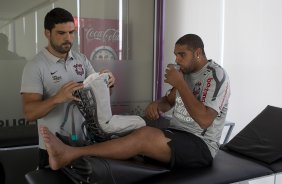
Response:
column 187, row 150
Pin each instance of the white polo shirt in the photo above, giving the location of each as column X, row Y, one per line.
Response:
column 46, row 74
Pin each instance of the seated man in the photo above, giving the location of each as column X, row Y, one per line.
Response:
column 199, row 96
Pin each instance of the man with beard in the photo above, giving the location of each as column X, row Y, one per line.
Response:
column 49, row 80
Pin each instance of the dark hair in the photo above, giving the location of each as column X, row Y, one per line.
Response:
column 57, row 16
column 192, row 41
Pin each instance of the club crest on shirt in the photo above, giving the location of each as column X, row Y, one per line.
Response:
column 79, row 69
column 197, row 88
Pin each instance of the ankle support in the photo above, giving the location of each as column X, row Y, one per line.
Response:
column 88, row 108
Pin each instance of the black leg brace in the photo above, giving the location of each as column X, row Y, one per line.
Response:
column 88, row 108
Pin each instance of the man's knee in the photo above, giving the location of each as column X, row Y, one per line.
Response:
column 146, row 133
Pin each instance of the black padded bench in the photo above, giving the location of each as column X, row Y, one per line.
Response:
column 107, row 172
column 254, row 152
column 228, row 167
column 18, row 153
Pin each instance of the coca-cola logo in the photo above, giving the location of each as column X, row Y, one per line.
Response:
column 108, row 35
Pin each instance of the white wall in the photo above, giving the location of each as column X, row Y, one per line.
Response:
column 252, row 57
column 201, row 17
column 243, row 35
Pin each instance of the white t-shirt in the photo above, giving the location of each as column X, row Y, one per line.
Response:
column 210, row 85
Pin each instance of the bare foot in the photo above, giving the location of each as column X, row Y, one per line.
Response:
column 57, row 150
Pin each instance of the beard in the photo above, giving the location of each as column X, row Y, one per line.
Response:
column 63, row 48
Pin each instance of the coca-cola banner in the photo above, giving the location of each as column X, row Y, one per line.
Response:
column 99, row 38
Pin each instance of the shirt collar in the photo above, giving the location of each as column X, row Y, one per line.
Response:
column 55, row 59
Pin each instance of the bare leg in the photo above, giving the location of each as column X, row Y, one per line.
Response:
column 147, row 141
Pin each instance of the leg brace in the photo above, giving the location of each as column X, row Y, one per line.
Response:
column 88, row 108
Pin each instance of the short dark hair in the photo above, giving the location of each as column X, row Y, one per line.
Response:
column 192, row 41
column 57, row 16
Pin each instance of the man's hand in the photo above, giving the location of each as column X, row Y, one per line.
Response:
column 172, row 75
column 112, row 79
column 152, row 111
column 66, row 92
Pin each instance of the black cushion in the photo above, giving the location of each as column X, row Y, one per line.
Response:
column 2, row 174
column 261, row 138
column 227, row 167
column 276, row 166
column 17, row 161
column 105, row 171
column 130, row 171
column 18, row 136
column 47, row 176
column 18, row 152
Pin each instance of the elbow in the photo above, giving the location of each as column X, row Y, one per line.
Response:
column 206, row 120
column 29, row 117
column 205, row 124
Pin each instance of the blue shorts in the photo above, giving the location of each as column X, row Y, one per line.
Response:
column 187, row 150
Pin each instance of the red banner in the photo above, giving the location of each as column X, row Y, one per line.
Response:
column 99, row 38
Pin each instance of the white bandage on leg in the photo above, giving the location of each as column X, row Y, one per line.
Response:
column 110, row 124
